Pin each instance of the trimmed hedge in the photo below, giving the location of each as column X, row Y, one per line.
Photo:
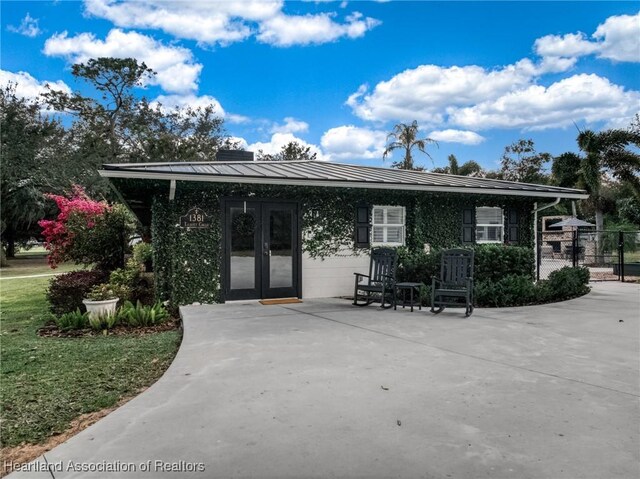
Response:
column 503, row 276
column 514, row 290
column 66, row 291
column 567, row 283
column 492, row 263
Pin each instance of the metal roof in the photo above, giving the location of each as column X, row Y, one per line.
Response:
column 329, row 174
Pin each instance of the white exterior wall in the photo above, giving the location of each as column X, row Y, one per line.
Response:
column 333, row 275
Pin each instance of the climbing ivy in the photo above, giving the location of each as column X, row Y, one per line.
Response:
column 188, row 261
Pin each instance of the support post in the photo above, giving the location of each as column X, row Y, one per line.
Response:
column 621, row 255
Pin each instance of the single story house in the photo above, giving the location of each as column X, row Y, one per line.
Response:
column 241, row 229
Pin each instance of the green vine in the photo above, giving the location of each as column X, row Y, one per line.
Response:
column 188, row 261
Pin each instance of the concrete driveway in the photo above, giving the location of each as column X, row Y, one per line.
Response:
column 323, row 389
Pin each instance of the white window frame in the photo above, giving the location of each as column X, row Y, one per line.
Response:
column 500, row 240
column 385, row 225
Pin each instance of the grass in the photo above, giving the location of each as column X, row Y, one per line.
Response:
column 33, row 251
column 632, row 257
column 47, row 382
column 30, row 265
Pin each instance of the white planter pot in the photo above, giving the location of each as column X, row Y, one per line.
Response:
column 97, row 309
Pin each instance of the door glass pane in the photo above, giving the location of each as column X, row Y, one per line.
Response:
column 281, row 243
column 243, row 254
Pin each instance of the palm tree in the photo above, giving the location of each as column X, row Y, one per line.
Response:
column 405, row 137
column 454, row 169
column 606, row 152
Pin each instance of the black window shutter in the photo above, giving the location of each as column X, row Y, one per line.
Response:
column 513, row 226
column 468, row 226
column 363, row 226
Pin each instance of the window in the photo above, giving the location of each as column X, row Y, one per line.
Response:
column 388, row 225
column 489, row 225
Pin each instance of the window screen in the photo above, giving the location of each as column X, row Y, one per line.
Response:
column 388, row 226
column 489, row 225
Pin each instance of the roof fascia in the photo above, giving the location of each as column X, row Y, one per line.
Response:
column 336, row 184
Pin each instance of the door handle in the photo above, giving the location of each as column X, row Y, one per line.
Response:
column 266, row 250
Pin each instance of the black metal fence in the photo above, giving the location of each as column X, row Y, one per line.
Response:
column 609, row 255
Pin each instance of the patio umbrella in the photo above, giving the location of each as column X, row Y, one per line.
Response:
column 573, row 222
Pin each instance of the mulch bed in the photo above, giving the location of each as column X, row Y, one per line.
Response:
column 52, row 331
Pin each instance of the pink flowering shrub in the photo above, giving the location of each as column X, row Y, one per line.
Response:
column 86, row 231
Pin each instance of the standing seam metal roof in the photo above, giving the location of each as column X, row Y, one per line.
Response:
column 338, row 174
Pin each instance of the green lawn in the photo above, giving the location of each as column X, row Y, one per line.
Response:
column 47, row 382
column 30, row 265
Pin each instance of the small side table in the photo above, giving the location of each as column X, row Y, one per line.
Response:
column 414, row 294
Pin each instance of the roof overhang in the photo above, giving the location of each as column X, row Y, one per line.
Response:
column 244, row 179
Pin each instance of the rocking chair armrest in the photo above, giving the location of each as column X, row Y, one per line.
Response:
column 363, row 275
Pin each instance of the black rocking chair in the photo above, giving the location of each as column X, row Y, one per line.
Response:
column 455, row 286
column 380, row 282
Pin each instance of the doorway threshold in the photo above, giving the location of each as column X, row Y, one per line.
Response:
column 267, row 302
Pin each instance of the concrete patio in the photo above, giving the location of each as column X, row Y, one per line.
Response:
column 323, row 389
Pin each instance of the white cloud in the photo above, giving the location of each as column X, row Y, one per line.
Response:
column 278, row 140
column 28, row 87
column 235, row 118
column 424, row 93
column 210, row 22
column 618, row 39
column 291, row 125
column 583, row 97
column 28, row 27
column 512, row 96
column 170, row 102
column 457, row 136
column 351, row 142
column 240, row 142
column 569, row 45
column 177, row 71
column 287, row 30
column 225, row 22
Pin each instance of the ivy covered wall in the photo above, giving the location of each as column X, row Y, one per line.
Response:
column 188, row 261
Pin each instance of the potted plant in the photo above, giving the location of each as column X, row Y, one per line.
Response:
column 101, row 301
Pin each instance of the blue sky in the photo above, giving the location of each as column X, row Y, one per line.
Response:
column 338, row 75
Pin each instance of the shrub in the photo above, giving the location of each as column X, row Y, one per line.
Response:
column 503, row 276
column 131, row 285
column 140, row 315
column 567, row 282
column 103, row 323
column 512, row 290
column 143, row 254
column 105, row 291
column 494, row 262
column 104, row 243
column 73, row 320
column 87, row 231
column 66, row 291
column 417, row 266
column 491, row 263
